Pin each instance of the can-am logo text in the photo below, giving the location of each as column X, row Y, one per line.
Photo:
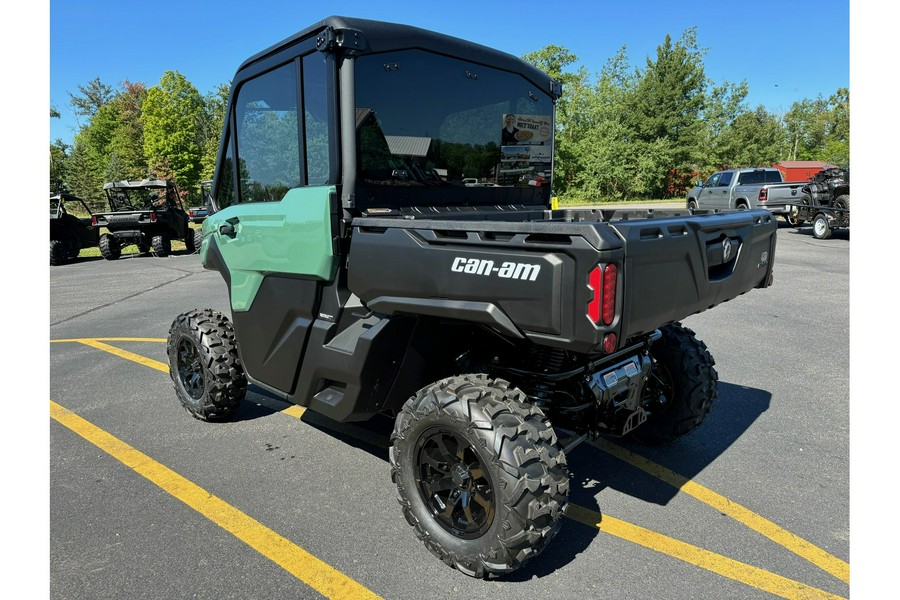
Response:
column 506, row 270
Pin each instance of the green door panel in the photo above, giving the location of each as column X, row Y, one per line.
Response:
column 290, row 237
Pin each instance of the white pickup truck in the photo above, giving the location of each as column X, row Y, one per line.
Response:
column 745, row 189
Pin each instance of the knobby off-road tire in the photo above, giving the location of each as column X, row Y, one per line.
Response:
column 681, row 388
column 198, row 239
column 204, row 365
column 58, row 253
column 162, row 245
column 110, row 248
column 189, row 241
column 480, row 474
column 842, row 201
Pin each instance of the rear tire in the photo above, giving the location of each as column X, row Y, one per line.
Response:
column 189, row 241
column 204, row 365
column 681, row 389
column 162, row 245
column 479, row 473
column 110, row 248
column 821, row 227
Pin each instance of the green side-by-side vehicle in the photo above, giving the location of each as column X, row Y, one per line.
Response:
column 365, row 277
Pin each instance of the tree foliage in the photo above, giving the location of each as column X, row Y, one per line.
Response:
column 647, row 132
column 168, row 130
column 172, row 112
column 626, row 132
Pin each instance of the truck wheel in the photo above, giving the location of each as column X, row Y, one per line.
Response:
column 843, row 201
column 743, row 206
column 204, row 365
column 110, row 248
column 821, row 227
column 58, row 254
column 692, row 205
column 681, row 389
column 480, row 474
column 198, row 239
column 162, row 245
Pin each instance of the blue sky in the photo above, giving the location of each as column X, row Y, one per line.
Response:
column 767, row 43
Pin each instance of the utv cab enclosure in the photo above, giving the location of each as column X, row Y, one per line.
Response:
column 147, row 213
column 69, row 233
column 366, row 277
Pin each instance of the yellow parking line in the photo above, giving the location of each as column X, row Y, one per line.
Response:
column 312, row 571
column 658, row 542
column 721, row 565
column 112, row 339
column 777, row 534
column 143, row 360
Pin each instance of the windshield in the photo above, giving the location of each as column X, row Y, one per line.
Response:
column 436, row 130
column 141, row 198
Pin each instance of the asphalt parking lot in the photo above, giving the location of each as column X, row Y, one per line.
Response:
column 147, row 502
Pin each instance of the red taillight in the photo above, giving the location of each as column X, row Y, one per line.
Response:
column 94, row 220
column 602, row 308
column 608, row 311
column 763, row 194
column 153, row 217
column 609, row 343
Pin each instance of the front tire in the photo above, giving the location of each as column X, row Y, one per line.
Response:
column 198, row 239
column 110, row 248
column 681, row 388
column 204, row 365
column 692, row 205
column 58, row 253
column 843, row 201
column 480, row 474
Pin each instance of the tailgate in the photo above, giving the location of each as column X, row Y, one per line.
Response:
column 676, row 267
column 125, row 219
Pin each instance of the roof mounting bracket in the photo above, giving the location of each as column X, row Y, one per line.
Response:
column 351, row 41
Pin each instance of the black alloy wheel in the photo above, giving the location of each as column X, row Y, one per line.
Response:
column 454, row 484
column 190, row 369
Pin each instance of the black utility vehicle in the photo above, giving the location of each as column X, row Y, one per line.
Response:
column 496, row 332
column 827, row 202
column 68, row 232
column 148, row 213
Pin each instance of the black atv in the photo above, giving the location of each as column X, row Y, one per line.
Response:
column 827, row 202
column 148, row 213
column 68, row 232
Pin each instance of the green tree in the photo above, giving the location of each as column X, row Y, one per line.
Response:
column 90, row 98
column 127, row 140
column 171, row 112
column 668, row 103
column 209, row 128
column 754, row 138
column 59, row 153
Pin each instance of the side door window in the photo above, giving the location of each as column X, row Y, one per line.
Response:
column 268, row 135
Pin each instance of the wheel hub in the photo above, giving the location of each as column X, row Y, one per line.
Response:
column 454, row 484
column 190, row 371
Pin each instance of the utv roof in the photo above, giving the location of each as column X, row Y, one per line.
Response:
column 363, row 36
column 143, row 183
